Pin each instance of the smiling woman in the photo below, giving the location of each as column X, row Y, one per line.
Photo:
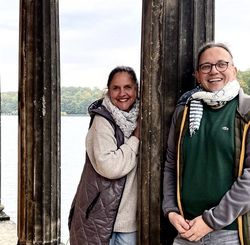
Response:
column 123, row 88
column 105, row 205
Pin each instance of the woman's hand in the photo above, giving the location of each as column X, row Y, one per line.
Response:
column 136, row 132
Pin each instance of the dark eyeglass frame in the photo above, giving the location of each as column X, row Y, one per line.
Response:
column 216, row 65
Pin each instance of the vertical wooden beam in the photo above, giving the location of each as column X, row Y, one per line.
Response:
column 172, row 31
column 39, row 124
column 150, row 164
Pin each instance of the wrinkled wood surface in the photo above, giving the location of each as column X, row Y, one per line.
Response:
column 39, row 124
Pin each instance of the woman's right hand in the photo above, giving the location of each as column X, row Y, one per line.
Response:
column 136, row 132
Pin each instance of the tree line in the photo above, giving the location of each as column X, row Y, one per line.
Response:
column 76, row 100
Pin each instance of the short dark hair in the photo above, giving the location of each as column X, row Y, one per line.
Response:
column 208, row 45
column 118, row 69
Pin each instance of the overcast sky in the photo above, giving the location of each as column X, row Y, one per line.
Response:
column 97, row 35
column 232, row 24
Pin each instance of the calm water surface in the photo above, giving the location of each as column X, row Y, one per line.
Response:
column 73, row 132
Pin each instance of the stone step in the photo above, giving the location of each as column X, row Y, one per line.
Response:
column 8, row 233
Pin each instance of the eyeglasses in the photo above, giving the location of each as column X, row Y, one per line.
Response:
column 207, row 67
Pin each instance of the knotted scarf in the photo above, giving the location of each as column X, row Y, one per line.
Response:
column 127, row 121
column 215, row 100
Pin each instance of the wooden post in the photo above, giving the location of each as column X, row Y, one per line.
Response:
column 172, row 31
column 39, row 124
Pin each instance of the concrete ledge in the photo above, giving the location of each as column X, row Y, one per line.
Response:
column 8, row 233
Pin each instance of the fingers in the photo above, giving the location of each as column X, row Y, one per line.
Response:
column 194, row 238
column 184, row 224
column 178, row 222
column 192, row 235
column 192, row 230
column 180, row 229
column 198, row 229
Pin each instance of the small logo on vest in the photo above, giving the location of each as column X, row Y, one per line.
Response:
column 225, row 128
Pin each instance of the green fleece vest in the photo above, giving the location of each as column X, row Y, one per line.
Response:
column 209, row 160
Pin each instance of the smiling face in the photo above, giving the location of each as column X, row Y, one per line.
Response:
column 122, row 91
column 215, row 80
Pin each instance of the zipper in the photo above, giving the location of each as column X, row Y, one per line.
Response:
column 242, row 156
column 178, row 160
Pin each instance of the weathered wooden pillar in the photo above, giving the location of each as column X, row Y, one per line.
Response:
column 172, row 31
column 39, row 124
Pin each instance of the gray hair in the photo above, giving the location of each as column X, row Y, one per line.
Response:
column 208, row 45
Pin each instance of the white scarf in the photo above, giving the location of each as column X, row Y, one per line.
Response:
column 127, row 121
column 215, row 99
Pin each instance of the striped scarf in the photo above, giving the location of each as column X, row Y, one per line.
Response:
column 215, row 100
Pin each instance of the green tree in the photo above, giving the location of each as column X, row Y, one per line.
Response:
column 76, row 100
column 244, row 79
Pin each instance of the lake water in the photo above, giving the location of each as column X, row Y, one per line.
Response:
column 73, row 132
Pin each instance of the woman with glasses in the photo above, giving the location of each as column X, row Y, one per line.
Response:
column 206, row 184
